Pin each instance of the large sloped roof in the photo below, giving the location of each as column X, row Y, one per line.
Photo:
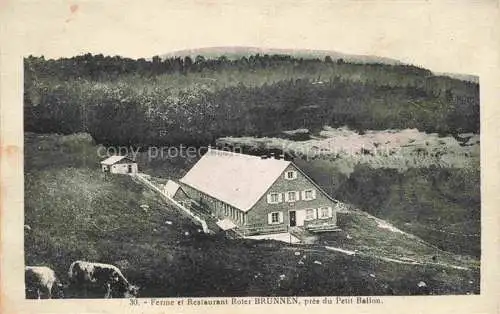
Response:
column 237, row 179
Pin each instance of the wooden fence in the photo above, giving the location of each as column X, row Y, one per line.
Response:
column 259, row 229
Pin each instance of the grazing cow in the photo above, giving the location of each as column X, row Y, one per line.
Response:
column 99, row 278
column 41, row 282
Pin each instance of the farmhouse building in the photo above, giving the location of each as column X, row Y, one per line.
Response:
column 259, row 194
column 119, row 164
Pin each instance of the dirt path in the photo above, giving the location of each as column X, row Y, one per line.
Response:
column 393, row 260
column 383, row 258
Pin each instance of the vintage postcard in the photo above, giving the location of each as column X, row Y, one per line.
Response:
column 183, row 156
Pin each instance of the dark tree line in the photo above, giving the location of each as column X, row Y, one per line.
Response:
column 100, row 67
column 137, row 102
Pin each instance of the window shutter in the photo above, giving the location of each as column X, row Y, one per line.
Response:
column 315, row 213
column 313, row 194
column 303, row 195
column 269, row 218
column 308, row 217
column 269, row 198
column 280, row 197
column 295, row 174
column 287, row 199
column 280, row 217
column 330, row 212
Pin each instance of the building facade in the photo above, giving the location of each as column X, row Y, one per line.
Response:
column 293, row 199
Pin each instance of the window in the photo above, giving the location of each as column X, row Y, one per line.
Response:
column 310, row 214
column 275, row 218
column 324, row 212
column 309, row 194
column 274, row 198
column 291, row 196
column 290, row 175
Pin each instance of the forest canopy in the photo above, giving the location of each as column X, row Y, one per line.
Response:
column 194, row 101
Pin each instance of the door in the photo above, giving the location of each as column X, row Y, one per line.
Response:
column 293, row 218
column 129, row 168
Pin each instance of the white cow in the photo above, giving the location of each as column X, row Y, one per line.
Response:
column 41, row 281
column 99, row 277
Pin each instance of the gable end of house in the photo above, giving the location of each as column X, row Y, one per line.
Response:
column 292, row 167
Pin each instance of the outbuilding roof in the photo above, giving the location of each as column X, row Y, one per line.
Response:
column 239, row 180
column 170, row 188
column 114, row 159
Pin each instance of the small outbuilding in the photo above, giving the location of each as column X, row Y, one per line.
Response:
column 119, row 164
column 173, row 190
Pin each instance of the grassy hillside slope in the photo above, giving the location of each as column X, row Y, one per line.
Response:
column 77, row 212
